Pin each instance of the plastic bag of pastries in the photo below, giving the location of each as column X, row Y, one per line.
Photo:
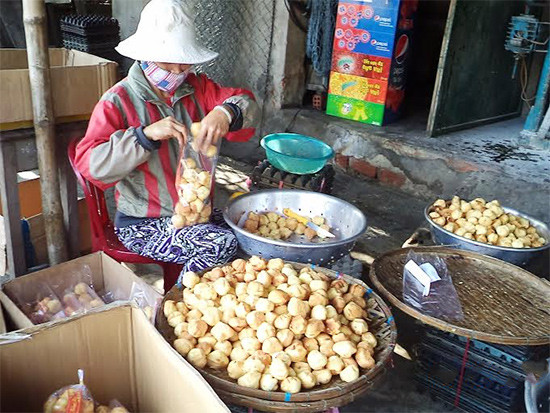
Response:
column 194, row 182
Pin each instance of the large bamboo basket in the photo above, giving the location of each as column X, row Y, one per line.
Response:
column 502, row 303
column 296, row 406
column 334, row 394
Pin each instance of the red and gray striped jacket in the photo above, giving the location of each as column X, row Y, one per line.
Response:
column 110, row 153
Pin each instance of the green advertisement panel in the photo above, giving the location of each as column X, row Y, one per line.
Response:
column 354, row 109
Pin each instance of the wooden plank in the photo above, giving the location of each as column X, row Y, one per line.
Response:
column 27, row 158
column 68, row 185
column 473, row 84
column 15, row 248
column 3, row 258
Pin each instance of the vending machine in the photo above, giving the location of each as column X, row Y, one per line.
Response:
column 369, row 59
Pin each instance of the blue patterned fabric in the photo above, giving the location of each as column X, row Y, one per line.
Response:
column 196, row 247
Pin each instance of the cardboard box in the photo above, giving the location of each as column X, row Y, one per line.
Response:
column 364, row 42
column 371, row 67
column 107, row 276
column 38, row 233
column 357, row 87
column 123, row 358
column 78, row 80
column 371, row 41
column 354, row 109
column 371, row 15
column 30, row 198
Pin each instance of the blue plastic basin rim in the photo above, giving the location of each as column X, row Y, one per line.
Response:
column 323, row 158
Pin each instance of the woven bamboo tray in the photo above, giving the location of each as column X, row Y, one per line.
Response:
column 297, row 407
column 501, row 303
column 380, row 322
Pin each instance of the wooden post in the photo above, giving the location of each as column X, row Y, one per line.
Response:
column 34, row 18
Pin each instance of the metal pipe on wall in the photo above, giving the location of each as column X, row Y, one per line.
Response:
column 34, row 19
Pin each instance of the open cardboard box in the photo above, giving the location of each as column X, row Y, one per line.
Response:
column 107, row 276
column 78, row 80
column 123, row 358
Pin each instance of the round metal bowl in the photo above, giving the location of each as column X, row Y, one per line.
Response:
column 347, row 223
column 518, row 256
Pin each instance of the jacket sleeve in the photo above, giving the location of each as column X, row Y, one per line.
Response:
column 109, row 151
column 214, row 94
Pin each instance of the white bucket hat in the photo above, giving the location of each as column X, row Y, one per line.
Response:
column 166, row 33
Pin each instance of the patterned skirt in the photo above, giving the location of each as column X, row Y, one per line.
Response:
column 196, row 247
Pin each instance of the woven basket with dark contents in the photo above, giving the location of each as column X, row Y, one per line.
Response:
column 501, row 303
column 336, row 393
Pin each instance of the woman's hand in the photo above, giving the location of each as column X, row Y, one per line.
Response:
column 214, row 126
column 166, row 128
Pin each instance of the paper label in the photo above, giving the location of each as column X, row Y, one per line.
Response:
column 425, row 274
column 74, row 403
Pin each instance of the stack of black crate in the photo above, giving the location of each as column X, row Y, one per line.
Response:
column 94, row 34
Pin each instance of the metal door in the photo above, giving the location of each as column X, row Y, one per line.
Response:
column 473, row 84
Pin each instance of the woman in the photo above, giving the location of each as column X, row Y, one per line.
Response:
column 132, row 138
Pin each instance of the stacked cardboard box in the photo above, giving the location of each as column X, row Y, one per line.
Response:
column 371, row 46
column 78, row 80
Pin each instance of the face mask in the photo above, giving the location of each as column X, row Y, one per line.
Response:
column 163, row 79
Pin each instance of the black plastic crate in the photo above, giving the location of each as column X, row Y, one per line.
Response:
column 473, row 382
column 266, row 176
column 89, row 25
column 493, row 377
column 478, row 361
column 90, row 48
column 515, row 355
column 467, row 402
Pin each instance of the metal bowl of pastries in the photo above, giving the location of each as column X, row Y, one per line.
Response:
column 520, row 255
column 346, row 222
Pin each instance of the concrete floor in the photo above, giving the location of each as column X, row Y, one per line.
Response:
column 393, row 214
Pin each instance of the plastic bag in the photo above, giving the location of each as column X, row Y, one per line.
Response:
column 57, row 296
column 114, row 407
column 435, row 295
column 83, row 296
column 110, row 296
column 77, row 398
column 46, row 307
column 145, row 299
column 194, row 184
column 71, row 399
column 78, row 292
